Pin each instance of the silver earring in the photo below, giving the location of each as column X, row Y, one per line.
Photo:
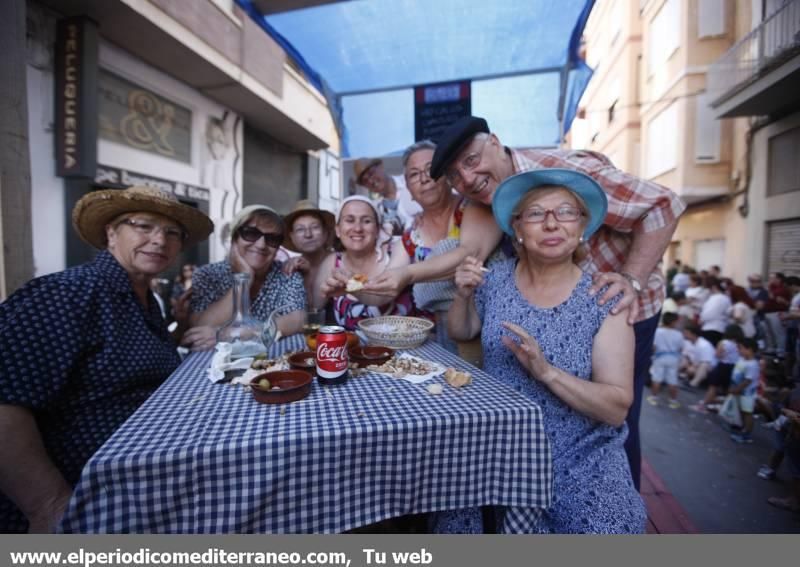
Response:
column 519, row 240
column 580, row 240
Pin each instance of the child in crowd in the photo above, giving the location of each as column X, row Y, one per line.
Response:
column 699, row 356
column 744, row 381
column 667, row 349
column 720, row 377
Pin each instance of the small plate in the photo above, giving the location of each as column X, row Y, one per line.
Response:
column 364, row 356
column 285, row 386
column 303, row 360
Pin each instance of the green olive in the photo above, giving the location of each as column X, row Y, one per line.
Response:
column 264, row 383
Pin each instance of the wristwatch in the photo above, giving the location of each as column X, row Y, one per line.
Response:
column 637, row 287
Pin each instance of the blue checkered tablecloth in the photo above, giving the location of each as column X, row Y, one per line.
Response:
column 199, row 457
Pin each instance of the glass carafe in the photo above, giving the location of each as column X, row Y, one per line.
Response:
column 243, row 331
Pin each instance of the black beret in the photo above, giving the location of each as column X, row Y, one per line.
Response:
column 453, row 139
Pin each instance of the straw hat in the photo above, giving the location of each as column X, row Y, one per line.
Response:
column 96, row 209
column 306, row 207
column 362, row 165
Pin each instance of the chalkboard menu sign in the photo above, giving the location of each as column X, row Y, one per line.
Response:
column 437, row 106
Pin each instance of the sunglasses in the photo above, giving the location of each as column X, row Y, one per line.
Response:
column 252, row 234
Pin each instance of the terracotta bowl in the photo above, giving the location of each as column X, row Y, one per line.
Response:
column 311, row 340
column 303, row 360
column 367, row 355
column 285, row 386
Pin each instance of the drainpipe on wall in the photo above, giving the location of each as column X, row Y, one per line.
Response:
column 755, row 124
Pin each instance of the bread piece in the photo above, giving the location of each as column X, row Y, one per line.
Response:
column 356, row 283
column 456, row 378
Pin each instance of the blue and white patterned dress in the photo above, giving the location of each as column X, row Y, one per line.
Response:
column 592, row 487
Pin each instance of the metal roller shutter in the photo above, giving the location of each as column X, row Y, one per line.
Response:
column 783, row 247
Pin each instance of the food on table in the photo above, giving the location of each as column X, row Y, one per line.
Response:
column 403, row 366
column 456, row 378
column 264, row 384
column 356, row 283
column 434, row 389
column 356, row 370
column 271, row 364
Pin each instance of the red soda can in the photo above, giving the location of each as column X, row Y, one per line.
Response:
column 332, row 361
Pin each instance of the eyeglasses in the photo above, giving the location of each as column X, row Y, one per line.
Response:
column 415, row 176
column 470, row 162
column 564, row 213
column 252, row 234
column 148, row 228
column 301, row 230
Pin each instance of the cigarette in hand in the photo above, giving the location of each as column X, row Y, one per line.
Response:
column 485, row 270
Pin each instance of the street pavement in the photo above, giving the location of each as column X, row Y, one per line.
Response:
column 713, row 478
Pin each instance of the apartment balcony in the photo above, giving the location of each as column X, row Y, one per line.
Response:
column 760, row 74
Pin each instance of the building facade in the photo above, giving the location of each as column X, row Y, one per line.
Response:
column 652, row 108
column 188, row 95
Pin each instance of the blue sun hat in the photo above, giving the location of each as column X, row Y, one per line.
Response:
column 514, row 188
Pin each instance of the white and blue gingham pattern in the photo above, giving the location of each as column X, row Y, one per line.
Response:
column 206, row 458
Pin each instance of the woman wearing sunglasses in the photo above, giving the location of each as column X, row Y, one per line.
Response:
column 256, row 234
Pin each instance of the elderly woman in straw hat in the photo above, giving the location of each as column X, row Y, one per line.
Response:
column 83, row 348
column 309, row 232
column 547, row 337
column 256, row 234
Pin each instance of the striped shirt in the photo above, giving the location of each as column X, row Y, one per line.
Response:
column 632, row 203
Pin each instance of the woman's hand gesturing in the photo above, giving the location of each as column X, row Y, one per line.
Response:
column 528, row 353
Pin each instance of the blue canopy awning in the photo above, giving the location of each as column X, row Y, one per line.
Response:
column 367, row 55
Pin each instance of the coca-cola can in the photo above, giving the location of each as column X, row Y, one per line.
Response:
column 332, row 362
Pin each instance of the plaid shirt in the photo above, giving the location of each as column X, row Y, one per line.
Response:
column 632, row 202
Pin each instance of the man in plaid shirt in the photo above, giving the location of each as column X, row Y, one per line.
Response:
column 625, row 254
